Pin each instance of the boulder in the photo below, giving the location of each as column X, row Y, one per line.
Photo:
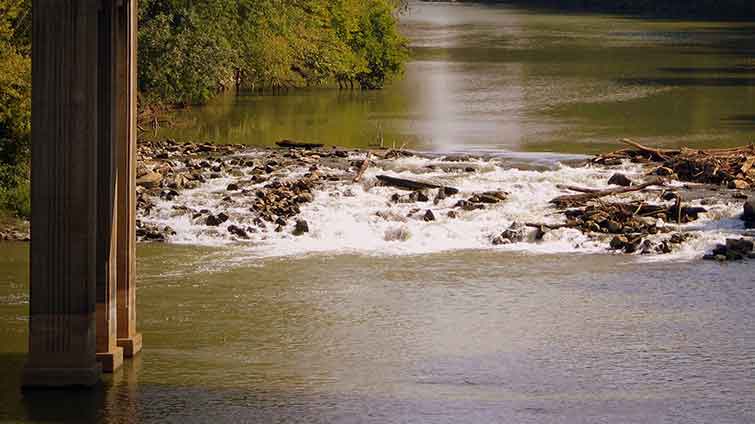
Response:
column 619, row 242
column 739, row 185
column 216, row 220
column 301, row 227
column 150, row 180
column 749, row 210
column 620, row 180
column 238, row 232
column 514, row 234
column 429, row 216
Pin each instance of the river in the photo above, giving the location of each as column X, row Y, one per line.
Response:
column 345, row 327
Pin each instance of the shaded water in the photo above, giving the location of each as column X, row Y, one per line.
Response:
column 494, row 77
column 430, row 335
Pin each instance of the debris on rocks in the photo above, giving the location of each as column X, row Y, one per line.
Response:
column 265, row 190
column 734, row 167
column 588, row 194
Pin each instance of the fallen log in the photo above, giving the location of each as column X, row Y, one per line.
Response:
column 291, row 144
column 577, row 189
column 662, row 153
column 414, row 185
column 571, row 199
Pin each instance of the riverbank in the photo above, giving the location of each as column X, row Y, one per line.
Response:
column 291, row 198
column 12, row 228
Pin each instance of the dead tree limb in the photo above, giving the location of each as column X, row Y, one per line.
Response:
column 584, row 197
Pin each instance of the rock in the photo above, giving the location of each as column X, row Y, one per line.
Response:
column 150, row 180
column 740, row 246
column 614, row 227
column 238, row 232
column 232, row 187
column 440, row 196
column 749, row 210
column 620, row 180
column 305, row 198
column 397, row 234
column 468, row 206
column 452, row 214
column 619, row 242
column 301, row 227
column 514, row 234
column 739, row 185
column 491, row 197
column 429, row 216
column 391, row 216
column 541, row 232
column 419, row 196
column 216, row 220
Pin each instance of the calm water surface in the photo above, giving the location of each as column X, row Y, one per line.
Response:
column 493, row 77
column 462, row 337
column 480, row 337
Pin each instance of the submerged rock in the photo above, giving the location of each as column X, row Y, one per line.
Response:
column 516, row 233
column 397, row 234
column 301, row 227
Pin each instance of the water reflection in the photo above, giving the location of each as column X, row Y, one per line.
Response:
column 495, row 77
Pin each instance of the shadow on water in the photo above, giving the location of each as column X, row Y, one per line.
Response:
column 690, row 82
column 737, row 70
column 67, row 406
column 740, row 121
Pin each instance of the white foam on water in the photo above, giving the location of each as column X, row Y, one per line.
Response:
column 343, row 218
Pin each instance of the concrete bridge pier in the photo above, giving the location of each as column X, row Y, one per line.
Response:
column 82, row 292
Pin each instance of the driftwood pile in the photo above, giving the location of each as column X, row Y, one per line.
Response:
column 734, row 167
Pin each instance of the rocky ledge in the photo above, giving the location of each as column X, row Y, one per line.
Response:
column 268, row 188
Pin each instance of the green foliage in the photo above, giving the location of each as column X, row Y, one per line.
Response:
column 15, row 193
column 189, row 51
column 15, row 83
column 15, row 105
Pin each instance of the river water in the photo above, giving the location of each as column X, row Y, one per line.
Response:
column 342, row 326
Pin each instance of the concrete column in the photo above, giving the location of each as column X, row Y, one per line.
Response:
column 126, row 38
column 108, row 352
column 62, row 329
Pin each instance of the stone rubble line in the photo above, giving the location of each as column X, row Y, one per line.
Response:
column 273, row 192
